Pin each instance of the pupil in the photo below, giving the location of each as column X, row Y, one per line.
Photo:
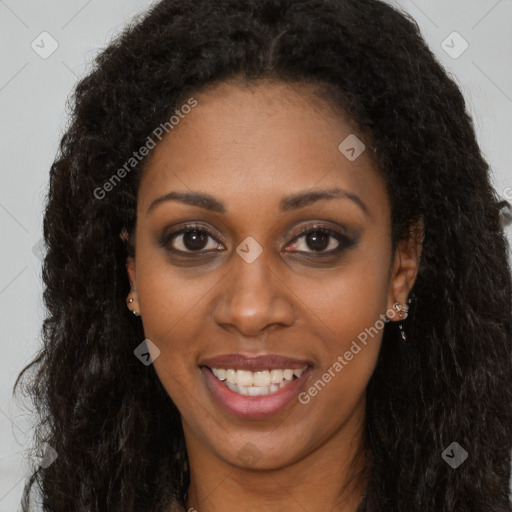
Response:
column 194, row 239
column 317, row 241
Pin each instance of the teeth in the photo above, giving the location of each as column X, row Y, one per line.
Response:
column 255, row 390
column 244, row 378
column 276, row 376
column 230, row 376
column 261, row 378
column 288, row 374
column 256, row 383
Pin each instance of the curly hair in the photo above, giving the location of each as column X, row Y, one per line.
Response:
column 116, row 431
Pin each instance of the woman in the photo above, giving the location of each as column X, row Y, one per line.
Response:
column 276, row 277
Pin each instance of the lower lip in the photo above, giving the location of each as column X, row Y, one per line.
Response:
column 253, row 407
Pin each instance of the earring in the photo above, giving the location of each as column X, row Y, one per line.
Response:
column 129, row 301
column 397, row 306
column 403, row 313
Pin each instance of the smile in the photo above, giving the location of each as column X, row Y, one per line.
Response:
column 255, row 387
column 258, row 383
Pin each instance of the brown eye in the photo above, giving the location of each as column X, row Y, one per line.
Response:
column 189, row 240
column 194, row 240
column 319, row 240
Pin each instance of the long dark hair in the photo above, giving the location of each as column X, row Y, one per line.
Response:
column 117, row 433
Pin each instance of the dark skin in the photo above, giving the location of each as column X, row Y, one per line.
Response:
column 249, row 148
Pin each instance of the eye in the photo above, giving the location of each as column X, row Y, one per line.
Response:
column 321, row 240
column 191, row 239
column 195, row 239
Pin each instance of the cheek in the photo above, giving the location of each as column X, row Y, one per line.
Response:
column 170, row 296
column 348, row 314
column 171, row 309
column 175, row 308
column 350, row 300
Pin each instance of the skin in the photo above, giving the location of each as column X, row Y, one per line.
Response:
column 249, row 148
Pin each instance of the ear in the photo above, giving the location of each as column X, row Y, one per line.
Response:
column 130, row 269
column 405, row 266
column 130, row 260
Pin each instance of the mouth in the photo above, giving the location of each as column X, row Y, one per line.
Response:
column 259, row 383
column 255, row 387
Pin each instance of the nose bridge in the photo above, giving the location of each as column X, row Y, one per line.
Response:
column 251, row 267
column 252, row 285
column 252, row 296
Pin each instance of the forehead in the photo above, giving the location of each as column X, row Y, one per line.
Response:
column 257, row 144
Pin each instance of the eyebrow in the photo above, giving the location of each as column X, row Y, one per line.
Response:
column 289, row 203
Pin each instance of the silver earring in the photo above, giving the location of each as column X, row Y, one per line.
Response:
column 403, row 315
column 130, row 300
column 400, row 326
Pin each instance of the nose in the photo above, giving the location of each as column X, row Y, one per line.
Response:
column 252, row 298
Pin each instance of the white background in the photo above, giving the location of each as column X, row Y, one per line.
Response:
column 33, row 94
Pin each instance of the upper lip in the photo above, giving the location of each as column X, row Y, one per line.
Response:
column 254, row 363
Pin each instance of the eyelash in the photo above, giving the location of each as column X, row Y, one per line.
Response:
column 343, row 241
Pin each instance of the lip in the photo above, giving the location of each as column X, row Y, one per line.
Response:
column 255, row 363
column 254, row 407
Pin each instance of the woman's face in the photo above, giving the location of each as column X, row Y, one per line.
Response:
column 248, row 291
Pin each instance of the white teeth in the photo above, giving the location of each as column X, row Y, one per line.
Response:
column 257, row 390
column 230, row 376
column 257, row 383
column 243, row 390
column 276, row 376
column 244, row 378
column 261, row 378
column 288, row 374
column 233, row 387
